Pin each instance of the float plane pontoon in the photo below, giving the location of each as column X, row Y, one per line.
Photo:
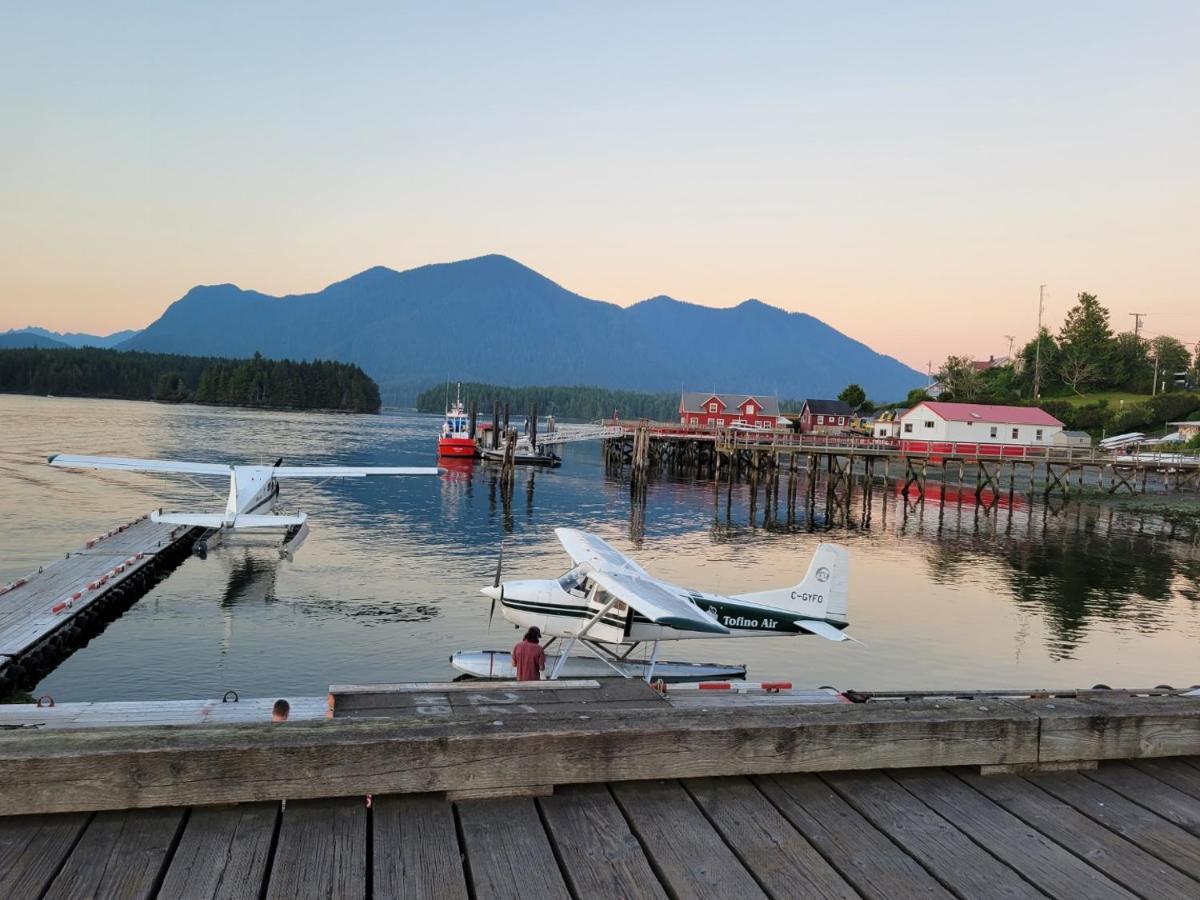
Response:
column 609, row 605
column 253, row 492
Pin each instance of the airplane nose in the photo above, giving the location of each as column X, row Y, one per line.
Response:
column 489, row 591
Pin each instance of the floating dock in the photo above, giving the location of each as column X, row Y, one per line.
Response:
column 47, row 614
column 583, row 789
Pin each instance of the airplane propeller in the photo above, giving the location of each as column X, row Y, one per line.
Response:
column 496, row 584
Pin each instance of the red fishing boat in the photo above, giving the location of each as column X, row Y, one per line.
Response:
column 455, row 439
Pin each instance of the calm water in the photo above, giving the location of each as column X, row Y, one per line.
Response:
column 386, row 588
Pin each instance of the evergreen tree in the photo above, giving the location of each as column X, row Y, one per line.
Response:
column 1086, row 343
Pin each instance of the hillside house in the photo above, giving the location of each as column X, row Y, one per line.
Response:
column 699, row 410
column 825, row 416
column 935, row 426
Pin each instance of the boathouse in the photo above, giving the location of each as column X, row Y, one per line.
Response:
column 702, row 410
column 825, row 416
column 933, row 425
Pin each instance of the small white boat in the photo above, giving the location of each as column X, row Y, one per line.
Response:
column 498, row 664
column 525, row 454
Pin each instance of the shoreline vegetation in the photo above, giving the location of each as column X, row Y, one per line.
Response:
column 254, row 383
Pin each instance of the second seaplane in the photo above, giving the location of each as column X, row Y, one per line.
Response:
column 250, row 502
column 608, row 605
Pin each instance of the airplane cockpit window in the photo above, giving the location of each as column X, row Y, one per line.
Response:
column 574, row 582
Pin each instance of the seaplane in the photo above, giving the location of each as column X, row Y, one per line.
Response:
column 253, row 493
column 609, row 605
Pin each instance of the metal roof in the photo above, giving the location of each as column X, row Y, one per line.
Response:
column 731, row 404
column 829, row 407
column 988, row 412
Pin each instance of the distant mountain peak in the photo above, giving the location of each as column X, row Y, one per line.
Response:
column 493, row 319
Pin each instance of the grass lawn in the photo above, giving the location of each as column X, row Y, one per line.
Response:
column 1114, row 398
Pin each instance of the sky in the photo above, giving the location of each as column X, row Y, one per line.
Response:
column 908, row 172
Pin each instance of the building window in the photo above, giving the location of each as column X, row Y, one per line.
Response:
column 712, row 407
column 1038, row 434
column 992, row 432
column 695, row 420
column 749, row 409
column 820, row 420
column 1016, row 433
column 711, row 420
column 929, row 423
column 908, row 427
column 841, row 420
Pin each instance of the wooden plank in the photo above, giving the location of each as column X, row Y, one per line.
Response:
column 869, row 860
column 1037, row 858
column 33, row 848
column 120, row 855
column 89, row 769
column 1151, row 832
column 949, row 855
column 1117, row 727
column 690, row 857
column 223, row 852
column 321, row 850
column 600, row 856
column 454, row 687
column 1120, row 859
column 782, row 860
column 1175, row 772
column 1170, row 803
column 508, row 853
column 415, row 849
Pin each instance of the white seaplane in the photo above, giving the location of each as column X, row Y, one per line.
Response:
column 609, row 605
column 253, row 493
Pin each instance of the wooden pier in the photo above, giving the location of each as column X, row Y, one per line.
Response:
column 594, row 793
column 47, row 614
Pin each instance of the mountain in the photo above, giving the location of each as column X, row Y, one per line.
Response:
column 73, row 338
column 492, row 319
column 11, row 339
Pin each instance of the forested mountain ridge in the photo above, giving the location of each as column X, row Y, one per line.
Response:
column 492, row 319
column 172, row 378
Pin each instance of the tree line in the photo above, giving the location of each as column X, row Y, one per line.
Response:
column 580, row 402
column 1085, row 357
column 170, row 378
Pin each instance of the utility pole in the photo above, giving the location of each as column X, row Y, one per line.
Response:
column 1154, row 386
column 1037, row 353
column 1010, row 338
column 1137, row 323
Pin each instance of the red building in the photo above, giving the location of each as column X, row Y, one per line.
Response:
column 825, row 416
column 697, row 410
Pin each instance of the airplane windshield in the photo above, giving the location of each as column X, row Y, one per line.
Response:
column 574, row 582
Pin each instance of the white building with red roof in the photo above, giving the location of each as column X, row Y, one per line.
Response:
column 932, row 422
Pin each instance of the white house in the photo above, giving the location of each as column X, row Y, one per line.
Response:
column 932, row 421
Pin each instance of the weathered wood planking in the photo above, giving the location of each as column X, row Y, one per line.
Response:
column 1112, row 854
column 950, row 855
column 156, row 712
column 1172, row 804
column 600, row 856
column 689, row 855
column 321, row 850
column 120, row 855
column 119, row 768
column 508, row 853
column 1038, row 859
column 32, row 848
column 1175, row 772
column 1117, row 727
column 224, row 852
column 415, row 849
column 861, row 852
column 1150, row 831
column 782, row 860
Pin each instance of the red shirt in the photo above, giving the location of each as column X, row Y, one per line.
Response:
column 528, row 659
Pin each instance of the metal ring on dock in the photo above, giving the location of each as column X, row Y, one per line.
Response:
column 226, row 699
column 45, row 701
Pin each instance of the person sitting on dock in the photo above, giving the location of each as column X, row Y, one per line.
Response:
column 279, row 712
column 529, row 659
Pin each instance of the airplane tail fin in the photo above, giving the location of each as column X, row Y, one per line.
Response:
column 823, row 594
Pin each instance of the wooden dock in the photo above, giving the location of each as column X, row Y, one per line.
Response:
column 603, row 790
column 46, row 614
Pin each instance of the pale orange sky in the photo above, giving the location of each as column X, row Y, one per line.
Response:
column 907, row 175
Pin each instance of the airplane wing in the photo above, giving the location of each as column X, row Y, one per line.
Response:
column 163, row 466
column 349, row 471
column 584, row 547
column 656, row 603
column 825, row 630
column 217, row 520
